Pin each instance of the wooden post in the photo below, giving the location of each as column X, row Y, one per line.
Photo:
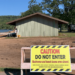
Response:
column 60, row 27
column 21, row 71
column 24, row 55
column 25, row 71
column 22, row 60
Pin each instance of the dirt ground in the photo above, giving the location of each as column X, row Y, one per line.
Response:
column 10, row 49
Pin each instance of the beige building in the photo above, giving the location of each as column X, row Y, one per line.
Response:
column 36, row 25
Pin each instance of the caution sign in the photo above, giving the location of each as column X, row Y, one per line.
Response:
column 52, row 58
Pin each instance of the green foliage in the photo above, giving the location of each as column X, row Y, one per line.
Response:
column 51, row 6
column 67, row 14
column 5, row 19
column 33, row 8
column 69, row 10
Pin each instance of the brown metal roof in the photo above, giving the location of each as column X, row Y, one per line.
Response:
column 43, row 15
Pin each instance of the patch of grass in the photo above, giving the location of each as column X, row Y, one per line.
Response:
column 10, row 37
column 38, row 37
column 64, row 30
column 66, row 34
column 70, row 34
column 30, row 37
column 3, row 69
column 60, row 35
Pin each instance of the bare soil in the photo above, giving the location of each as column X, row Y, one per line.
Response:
column 10, row 49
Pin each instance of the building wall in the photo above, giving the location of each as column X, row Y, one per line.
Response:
column 37, row 26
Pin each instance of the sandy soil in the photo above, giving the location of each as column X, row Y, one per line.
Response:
column 10, row 49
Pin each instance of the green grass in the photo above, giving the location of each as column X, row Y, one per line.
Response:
column 28, row 37
column 62, row 34
column 66, row 34
column 10, row 38
column 64, row 30
column 3, row 69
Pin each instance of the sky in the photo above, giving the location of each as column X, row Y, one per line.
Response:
column 15, row 7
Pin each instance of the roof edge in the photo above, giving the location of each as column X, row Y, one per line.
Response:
column 44, row 15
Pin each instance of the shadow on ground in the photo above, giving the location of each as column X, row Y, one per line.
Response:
column 63, row 73
column 17, row 72
column 3, row 36
column 12, row 71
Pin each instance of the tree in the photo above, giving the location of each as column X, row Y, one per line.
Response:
column 67, row 14
column 69, row 10
column 33, row 8
column 51, row 6
column 5, row 19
